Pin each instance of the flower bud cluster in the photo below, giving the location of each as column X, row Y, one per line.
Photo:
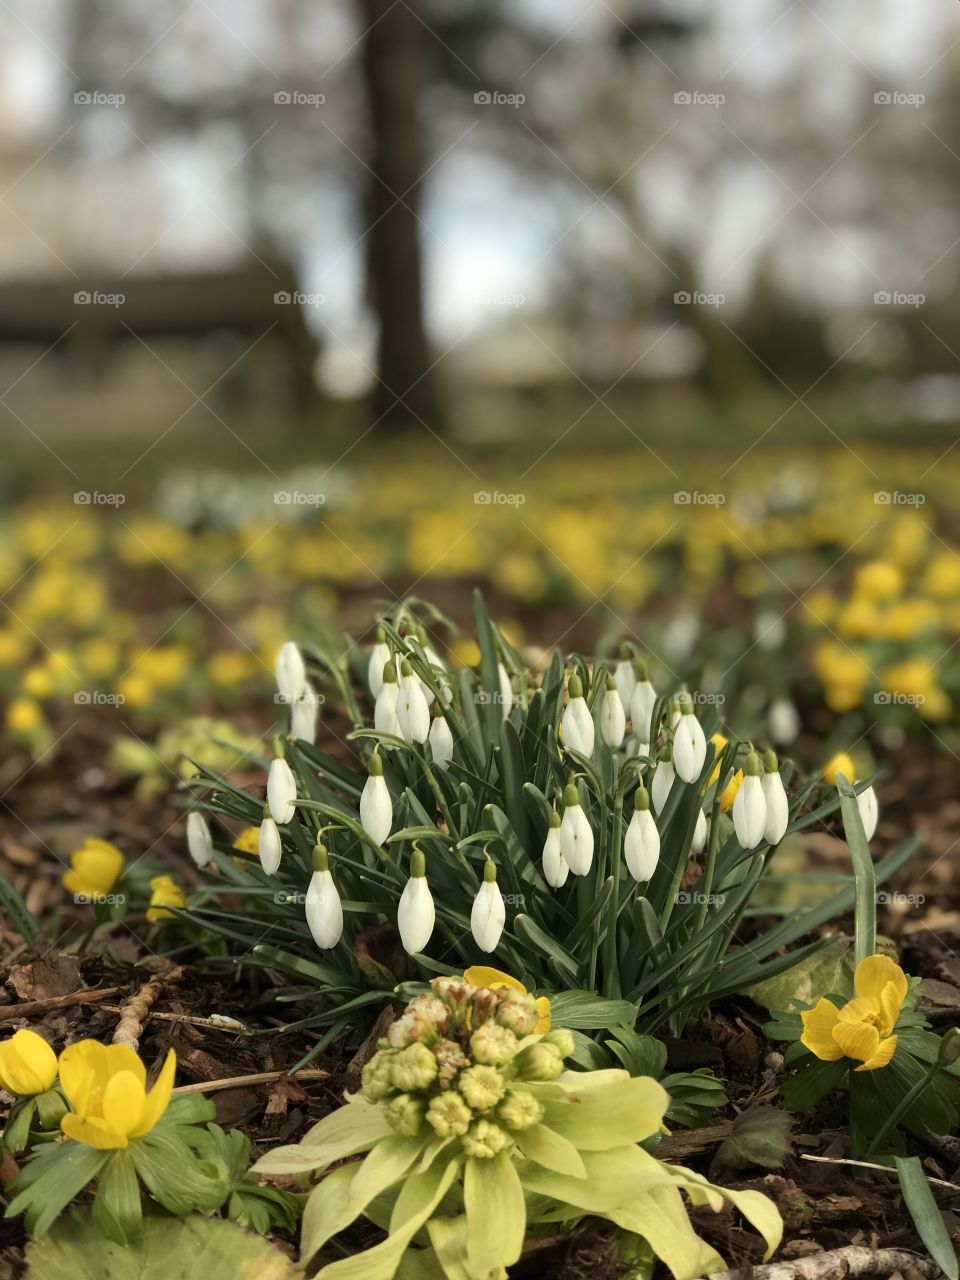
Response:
column 458, row 1062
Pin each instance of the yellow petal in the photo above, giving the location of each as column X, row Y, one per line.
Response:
column 882, row 1056
column 27, row 1063
column 818, row 1024
column 544, row 1015
column 481, row 975
column 158, row 1099
column 123, row 1102
column 890, row 1003
column 840, row 763
column 862, row 1009
column 91, row 1132
column 874, row 973
column 857, row 1039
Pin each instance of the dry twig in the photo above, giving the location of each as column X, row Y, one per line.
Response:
column 838, row 1264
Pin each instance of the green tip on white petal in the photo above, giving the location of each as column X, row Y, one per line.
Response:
column 641, row 800
column 575, row 687
column 640, row 667
column 666, row 753
column 405, row 668
column 685, row 703
column 418, row 864
column 752, row 768
column 489, row 872
column 321, row 859
column 381, row 636
column 571, row 795
column 390, row 672
column 611, row 685
column 266, row 812
column 554, row 818
column 375, row 765
column 624, row 651
column 278, row 747
column 770, row 762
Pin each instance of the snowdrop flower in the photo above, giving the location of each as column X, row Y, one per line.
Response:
column 555, row 869
column 626, row 679
column 641, row 843
column 376, row 807
column 199, row 840
column 778, row 809
column 750, row 807
column 303, row 715
column 489, row 914
column 577, row 722
column 613, row 722
column 323, row 907
column 674, row 712
column 663, row 777
column 385, row 711
column 699, row 841
column 269, row 845
column 413, row 714
column 416, row 913
column 506, row 690
column 441, row 741
column 576, row 837
column 290, row 672
column 379, row 657
column 689, row 743
column 281, row 790
column 642, row 703
column 869, row 811
column 784, row 721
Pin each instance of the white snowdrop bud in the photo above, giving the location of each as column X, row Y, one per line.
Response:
column 750, row 807
column 778, row 808
column 324, row 910
column 699, row 841
column 576, row 836
column 416, row 914
column 199, row 840
column 626, row 679
column 489, row 914
column 413, row 714
column 281, row 791
column 290, row 672
column 869, row 811
column 379, row 657
column 269, row 845
column 689, row 743
column 613, row 722
column 376, row 807
column 506, row 690
column 577, row 722
column 641, row 843
column 642, row 703
column 663, row 778
column 555, row 869
column 385, row 711
column 303, row 715
column 441, row 741
column 784, row 721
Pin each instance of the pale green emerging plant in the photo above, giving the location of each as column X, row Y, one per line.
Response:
column 476, row 1136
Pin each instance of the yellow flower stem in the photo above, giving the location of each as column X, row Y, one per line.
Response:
column 902, row 1107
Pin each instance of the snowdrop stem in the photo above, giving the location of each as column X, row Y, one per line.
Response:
column 611, row 975
column 423, row 768
column 710, row 864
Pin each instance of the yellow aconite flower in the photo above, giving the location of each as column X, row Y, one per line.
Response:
column 248, row 841
column 729, row 793
column 878, row 580
column 94, row 868
column 27, row 1064
column 106, row 1085
column 23, row 716
column 840, row 763
column 863, row 1028
column 481, row 975
column 164, row 892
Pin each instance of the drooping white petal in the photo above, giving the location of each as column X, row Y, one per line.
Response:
column 579, row 733
column 555, row 869
column 689, row 747
column 576, row 840
column 778, row 809
column 199, row 840
column 416, row 915
column 613, row 722
column 750, row 813
column 641, row 845
column 784, row 721
column 641, row 708
column 626, row 679
column 376, row 808
column 324, row 910
column 441, row 741
column 506, row 690
column 413, row 714
column 699, row 841
column 385, row 712
column 281, row 791
column 303, row 715
column 488, row 916
column 379, row 657
column 269, row 846
column 663, row 777
column 290, row 672
column 869, row 811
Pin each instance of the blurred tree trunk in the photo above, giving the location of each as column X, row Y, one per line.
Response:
column 396, row 54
